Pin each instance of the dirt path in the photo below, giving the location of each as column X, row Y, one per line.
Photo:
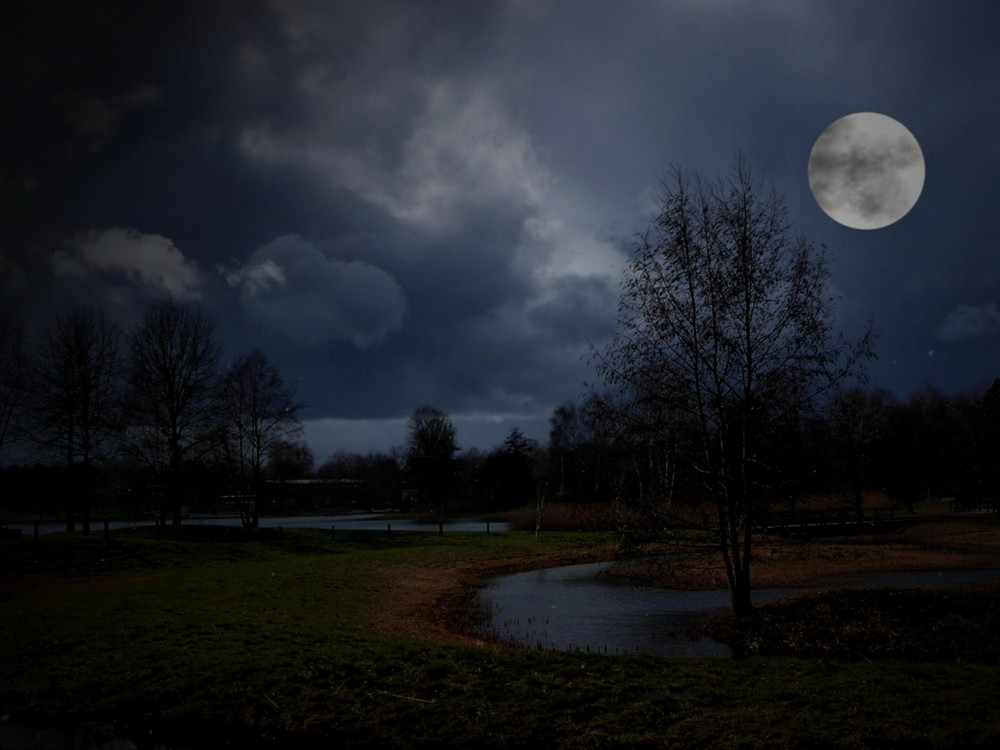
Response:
column 934, row 545
column 813, row 565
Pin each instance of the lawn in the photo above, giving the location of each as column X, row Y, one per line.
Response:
column 305, row 640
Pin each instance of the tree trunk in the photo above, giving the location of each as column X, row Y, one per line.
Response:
column 70, row 488
column 742, row 593
column 85, row 493
column 859, row 501
column 70, row 521
column 175, row 485
column 741, row 597
column 258, row 486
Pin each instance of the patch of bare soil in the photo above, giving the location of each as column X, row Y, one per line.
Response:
column 438, row 602
column 965, row 535
column 934, row 545
column 920, row 624
column 798, row 564
column 930, row 625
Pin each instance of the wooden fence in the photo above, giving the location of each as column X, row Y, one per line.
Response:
column 981, row 505
column 826, row 521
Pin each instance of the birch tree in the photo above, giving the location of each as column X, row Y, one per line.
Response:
column 725, row 321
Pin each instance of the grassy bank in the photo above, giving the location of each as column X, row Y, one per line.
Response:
column 303, row 640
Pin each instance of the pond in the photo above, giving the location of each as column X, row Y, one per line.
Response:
column 365, row 521
column 584, row 607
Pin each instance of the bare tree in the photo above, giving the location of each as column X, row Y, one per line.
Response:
column 173, row 390
column 724, row 320
column 261, row 416
column 75, row 399
column 857, row 418
column 566, row 434
column 290, row 460
column 13, row 372
column 652, row 439
column 430, row 457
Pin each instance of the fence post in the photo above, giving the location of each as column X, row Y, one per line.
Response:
column 440, row 528
column 333, row 532
column 36, row 531
column 487, row 528
column 107, row 533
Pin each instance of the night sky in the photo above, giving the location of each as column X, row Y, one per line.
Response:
column 430, row 203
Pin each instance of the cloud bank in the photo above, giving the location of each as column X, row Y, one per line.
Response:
column 119, row 257
column 970, row 322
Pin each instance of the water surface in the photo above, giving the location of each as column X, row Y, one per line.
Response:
column 583, row 607
column 361, row 521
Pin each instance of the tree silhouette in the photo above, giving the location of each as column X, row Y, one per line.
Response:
column 430, row 458
column 858, row 418
column 506, row 475
column 75, row 399
column 173, row 390
column 13, row 380
column 260, row 416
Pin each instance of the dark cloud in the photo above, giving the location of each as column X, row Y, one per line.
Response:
column 429, row 202
column 295, row 291
column 971, row 322
column 125, row 257
column 580, row 310
column 95, row 121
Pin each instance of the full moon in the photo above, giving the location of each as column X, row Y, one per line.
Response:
column 866, row 171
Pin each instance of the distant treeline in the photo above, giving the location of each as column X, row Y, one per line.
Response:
column 143, row 421
column 860, row 441
column 149, row 421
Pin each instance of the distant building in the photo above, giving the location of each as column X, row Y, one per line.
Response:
column 315, row 493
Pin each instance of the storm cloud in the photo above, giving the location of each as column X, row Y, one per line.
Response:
column 971, row 322
column 294, row 290
column 125, row 257
column 410, row 203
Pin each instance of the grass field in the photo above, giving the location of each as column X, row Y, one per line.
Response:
column 304, row 641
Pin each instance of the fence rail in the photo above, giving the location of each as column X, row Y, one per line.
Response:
column 828, row 520
column 981, row 505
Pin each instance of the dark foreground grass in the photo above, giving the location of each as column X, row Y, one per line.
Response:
column 303, row 641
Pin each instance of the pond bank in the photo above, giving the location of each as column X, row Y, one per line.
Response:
column 797, row 564
column 669, row 608
column 588, row 608
column 887, row 623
